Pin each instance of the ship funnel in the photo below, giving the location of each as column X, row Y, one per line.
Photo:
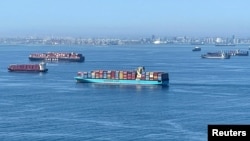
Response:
column 42, row 66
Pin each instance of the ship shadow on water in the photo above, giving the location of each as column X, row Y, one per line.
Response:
column 122, row 86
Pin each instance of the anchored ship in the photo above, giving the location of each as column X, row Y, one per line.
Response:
column 238, row 53
column 139, row 76
column 196, row 48
column 225, row 44
column 57, row 56
column 41, row 67
column 216, row 55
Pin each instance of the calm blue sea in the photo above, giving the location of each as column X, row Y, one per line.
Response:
column 52, row 106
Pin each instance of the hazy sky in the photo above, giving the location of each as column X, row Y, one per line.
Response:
column 100, row 18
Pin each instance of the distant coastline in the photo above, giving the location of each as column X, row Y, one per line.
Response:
column 56, row 41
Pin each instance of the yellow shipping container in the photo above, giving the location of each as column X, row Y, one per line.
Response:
column 121, row 75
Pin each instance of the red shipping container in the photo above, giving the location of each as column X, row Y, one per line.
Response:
column 129, row 75
column 133, row 75
column 112, row 74
column 143, row 77
column 101, row 74
column 155, row 74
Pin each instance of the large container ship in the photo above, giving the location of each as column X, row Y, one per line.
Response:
column 57, row 56
column 41, row 67
column 140, row 76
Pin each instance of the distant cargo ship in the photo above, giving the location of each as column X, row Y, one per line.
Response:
column 225, row 44
column 196, row 48
column 57, row 56
column 238, row 53
column 28, row 67
column 124, row 77
column 197, row 43
column 216, row 55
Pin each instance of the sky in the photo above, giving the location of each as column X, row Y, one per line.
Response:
column 124, row 18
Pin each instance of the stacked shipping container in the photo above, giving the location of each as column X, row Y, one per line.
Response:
column 24, row 67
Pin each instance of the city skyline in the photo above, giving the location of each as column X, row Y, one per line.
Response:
column 228, row 41
column 112, row 18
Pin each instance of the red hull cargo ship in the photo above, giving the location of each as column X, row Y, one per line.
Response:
column 28, row 67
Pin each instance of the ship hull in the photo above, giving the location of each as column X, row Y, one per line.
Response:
column 12, row 70
column 56, row 59
column 196, row 49
column 241, row 54
column 214, row 57
column 118, row 81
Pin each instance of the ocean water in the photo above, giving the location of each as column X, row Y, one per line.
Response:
column 52, row 106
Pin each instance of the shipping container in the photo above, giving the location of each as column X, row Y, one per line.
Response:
column 100, row 73
column 116, row 74
column 97, row 74
column 121, row 74
column 159, row 76
column 125, row 75
column 109, row 75
column 129, row 75
column 105, row 74
column 151, row 75
column 93, row 74
column 133, row 75
column 112, row 74
column 89, row 75
column 155, row 76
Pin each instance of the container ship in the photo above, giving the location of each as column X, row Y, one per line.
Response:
column 57, row 56
column 225, row 44
column 41, row 67
column 238, row 53
column 139, row 76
